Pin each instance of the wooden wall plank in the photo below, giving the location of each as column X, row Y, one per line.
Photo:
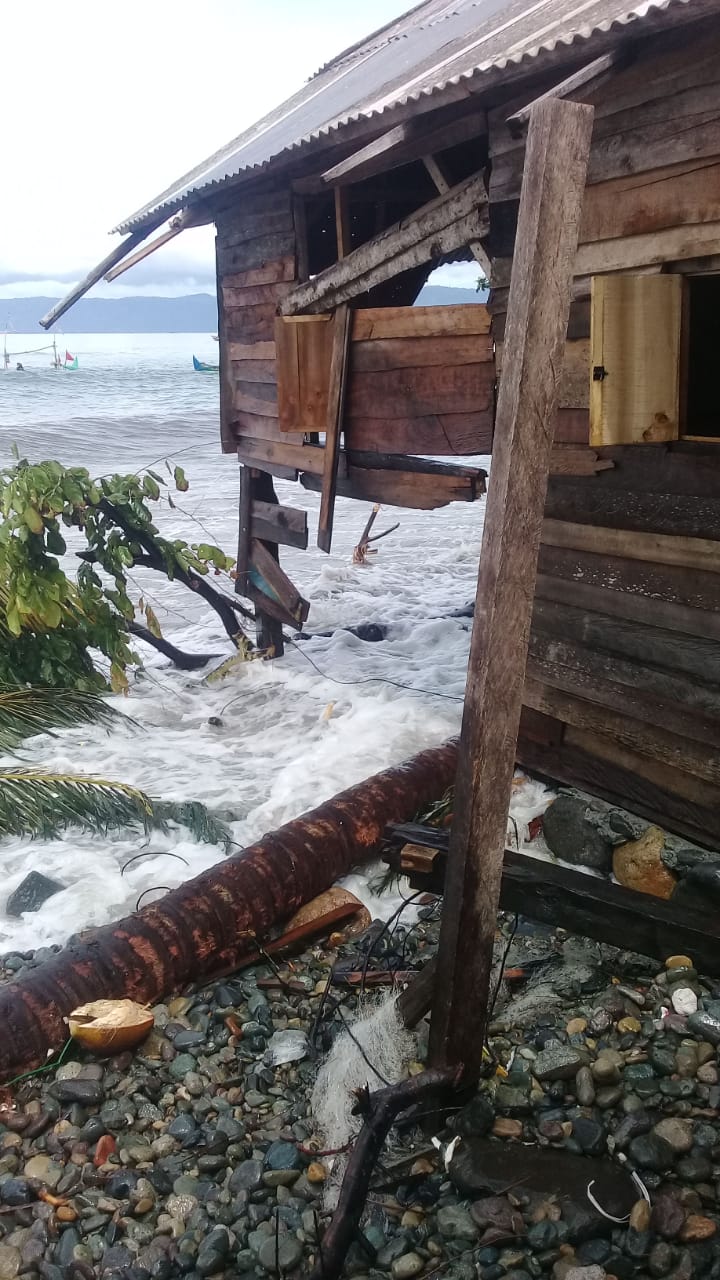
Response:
column 452, row 434
column 280, row 269
column 254, row 370
column 416, row 322
column 259, row 427
column 639, row 641
column 252, row 351
column 401, row 353
column 668, row 513
column 418, row 392
column 659, row 744
column 690, row 553
column 667, row 614
column 677, row 585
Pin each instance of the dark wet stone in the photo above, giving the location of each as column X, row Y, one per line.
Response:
column 17, row 1191
column 246, row 1176
column 116, row 1257
column 117, row 1115
column 599, row 1022
column 183, row 1128
column 583, row 1223
column 120, row 1185
column 667, row 1216
column 31, row 893
column 651, row 1152
column 558, row 1062
column 695, row 1167
column 87, row 1092
column 660, row 1259
column 705, row 1025
column 476, row 1119
column 589, row 1135
column 594, row 1252
column 638, row 1244
column 570, row 827
column 181, row 1065
column 662, row 1059
column 542, row 1235
column 65, row 1248
column 213, row 1252
column 514, row 1099
column 189, row 1039
column 282, row 1155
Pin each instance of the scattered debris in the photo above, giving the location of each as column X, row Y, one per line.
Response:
column 110, row 1026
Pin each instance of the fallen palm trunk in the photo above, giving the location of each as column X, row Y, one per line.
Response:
column 206, row 926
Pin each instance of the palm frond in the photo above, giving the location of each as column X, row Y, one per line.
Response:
column 200, row 822
column 25, row 711
column 33, row 802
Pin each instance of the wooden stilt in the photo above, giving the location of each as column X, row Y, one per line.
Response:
column 556, row 158
column 269, row 630
column 333, row 427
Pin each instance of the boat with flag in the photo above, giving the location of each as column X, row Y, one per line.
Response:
column 201, row 367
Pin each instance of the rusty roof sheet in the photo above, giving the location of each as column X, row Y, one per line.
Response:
column 435, row 46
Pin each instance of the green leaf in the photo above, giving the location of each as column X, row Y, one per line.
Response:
column 153, row 624
column 55, row 542
column 33, row 519
column 181, row 483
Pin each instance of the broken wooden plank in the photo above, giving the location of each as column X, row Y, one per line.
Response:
column 556, row 157
column 400, row 145
column 244, row 516
column 337, row 379
column 420, row 492
column 593, row 73
column 437, row 434
column 273, row 584
column 444, row 224
column 280, row 459
column 284, row 525
column 303, row 355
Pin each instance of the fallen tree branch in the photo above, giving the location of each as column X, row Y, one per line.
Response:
column 207, row 925
column 184, row 661
column 379, row 1110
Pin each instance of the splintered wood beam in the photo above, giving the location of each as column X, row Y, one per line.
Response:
column 446, row 223
column 198, row 216
column 116, row 255
column 556, row 157
column 401, row 145
column 436, row 173
column 333, row 425
column 593, row 73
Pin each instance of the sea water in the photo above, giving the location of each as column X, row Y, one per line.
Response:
column 334, row 710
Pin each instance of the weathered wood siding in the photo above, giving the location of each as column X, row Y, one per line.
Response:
column 624, row 657
column 622, row 692
column 256, row 267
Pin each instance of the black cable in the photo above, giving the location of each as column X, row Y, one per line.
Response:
column 432, row 693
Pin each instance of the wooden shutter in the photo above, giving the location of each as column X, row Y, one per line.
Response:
column 635, row 358
column 303, row 346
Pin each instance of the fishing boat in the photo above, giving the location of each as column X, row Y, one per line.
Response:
column 201, row 367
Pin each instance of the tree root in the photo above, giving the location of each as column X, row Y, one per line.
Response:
column 379, row 1111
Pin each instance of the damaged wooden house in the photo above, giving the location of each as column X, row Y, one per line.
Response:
column 410, row 150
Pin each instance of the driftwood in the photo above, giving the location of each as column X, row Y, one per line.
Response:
column 209, row 924
column 379, row 1111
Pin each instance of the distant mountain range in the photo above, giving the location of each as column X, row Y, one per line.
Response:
column 195, row 313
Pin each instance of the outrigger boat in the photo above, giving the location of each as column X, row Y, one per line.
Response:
column 201, row 367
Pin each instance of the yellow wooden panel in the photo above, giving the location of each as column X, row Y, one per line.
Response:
column 635, row 358
column 303, row 369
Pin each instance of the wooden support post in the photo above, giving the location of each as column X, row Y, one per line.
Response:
column 269, row 629
column 342, row 222
column 243, row 555
column 333, row 428
column 556, row 159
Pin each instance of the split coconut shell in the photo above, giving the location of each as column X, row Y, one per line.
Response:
column 110, row 1026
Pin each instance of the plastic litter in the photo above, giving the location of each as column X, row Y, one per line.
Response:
column 286, row 1046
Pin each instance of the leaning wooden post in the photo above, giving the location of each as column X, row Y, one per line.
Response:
column 556, row 158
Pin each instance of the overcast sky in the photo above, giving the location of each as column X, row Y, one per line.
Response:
column 106, row 104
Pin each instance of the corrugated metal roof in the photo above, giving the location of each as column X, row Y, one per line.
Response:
column 433, row 47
